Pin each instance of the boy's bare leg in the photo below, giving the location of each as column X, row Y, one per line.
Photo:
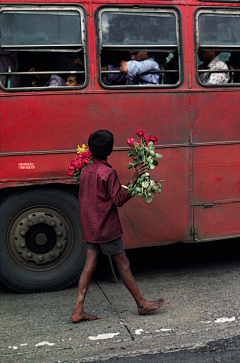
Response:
column 143, row 305
column 84, row 281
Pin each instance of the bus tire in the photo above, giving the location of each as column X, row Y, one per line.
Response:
column 41, row 241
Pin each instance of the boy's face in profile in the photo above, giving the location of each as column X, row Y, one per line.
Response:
column 72, row 82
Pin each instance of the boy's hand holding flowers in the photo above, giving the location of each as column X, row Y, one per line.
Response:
column 140, row 169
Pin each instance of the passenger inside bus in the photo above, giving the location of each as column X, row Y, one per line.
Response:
column 211, row 61
column 68, row 62
column 234, row 63
column 46, row 80
column 44, row 61
column 136, row 71
column 74, row 81
column 110, row 62
column 172, row 64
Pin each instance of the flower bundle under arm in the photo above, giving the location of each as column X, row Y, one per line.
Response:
column 84, row 157
column 144, row 150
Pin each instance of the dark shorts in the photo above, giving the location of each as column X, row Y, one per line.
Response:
column 109, row 248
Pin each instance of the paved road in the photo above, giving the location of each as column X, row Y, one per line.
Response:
column 220, row 351
column 200, row 284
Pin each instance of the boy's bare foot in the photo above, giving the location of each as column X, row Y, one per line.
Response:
column 77, row 316
column 150, row 306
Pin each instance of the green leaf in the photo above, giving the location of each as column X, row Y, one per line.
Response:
column 152, row 166
column 159, row 156
column 133, row 193
column 130, row 165
column 145, row 184
column 155, row 162
column 149, row 199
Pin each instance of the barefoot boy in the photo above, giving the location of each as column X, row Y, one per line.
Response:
column 100, row 194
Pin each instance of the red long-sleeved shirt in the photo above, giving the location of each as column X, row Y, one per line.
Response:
column 100, row 194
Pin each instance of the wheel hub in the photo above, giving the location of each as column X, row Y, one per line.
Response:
column 40, row 238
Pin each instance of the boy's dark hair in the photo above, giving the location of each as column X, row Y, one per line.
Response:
column 101, row 144
column 78, row 77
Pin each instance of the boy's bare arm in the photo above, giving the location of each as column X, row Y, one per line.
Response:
column 140, row 169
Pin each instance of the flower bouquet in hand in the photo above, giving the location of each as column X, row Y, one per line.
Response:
column 83, row 158
column 144, row 150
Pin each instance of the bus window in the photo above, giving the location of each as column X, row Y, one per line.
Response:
column 218, row 35
column 48, row 44
column 134, row 46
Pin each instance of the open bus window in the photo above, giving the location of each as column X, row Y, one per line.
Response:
column 41, row 47
column 218, row 47
column 136, row 47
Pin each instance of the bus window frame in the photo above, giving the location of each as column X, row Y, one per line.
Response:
column 220, row 48
column 84, row 47
column 139, row 8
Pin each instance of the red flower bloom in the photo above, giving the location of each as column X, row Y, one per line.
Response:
column 152, row 138
column 70, row 173
column 137, row 143
column 145, row 139
column 84, row 154
column 130, row 141
column 71, row 167
column 86, row 161
column 140, row 133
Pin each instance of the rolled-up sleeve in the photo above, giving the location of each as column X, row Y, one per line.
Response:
column 135, row 68
column 118, row 194
column 138, row 70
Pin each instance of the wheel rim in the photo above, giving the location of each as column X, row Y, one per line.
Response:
column 40, row 238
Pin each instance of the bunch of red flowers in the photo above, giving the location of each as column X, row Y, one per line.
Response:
column 84, row 157
column 142, row 137
column 144, row 150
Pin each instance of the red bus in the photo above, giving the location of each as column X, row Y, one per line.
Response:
column 196, row 121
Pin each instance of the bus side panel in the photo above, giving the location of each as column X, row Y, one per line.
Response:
column 216, row 191
column 216, row 173
column 221, row 221
column 30, row 168
column 167, row 218
column 53, row 122
column 215, row 116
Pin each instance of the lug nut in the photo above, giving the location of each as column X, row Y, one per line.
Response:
column 59, row 245
column 53, row 224
column 59, row 233
column 52, row 254
column 30, row 223
column 22, row 245
column 22, row 233
column 29, row 254
column 41, row 220
column 40, row 258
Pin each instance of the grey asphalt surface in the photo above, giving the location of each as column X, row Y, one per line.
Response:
column 200, row 318
column 221, row 351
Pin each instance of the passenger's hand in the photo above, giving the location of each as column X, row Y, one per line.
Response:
column 78, row 63
column 123, row 66
column 32, row 69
